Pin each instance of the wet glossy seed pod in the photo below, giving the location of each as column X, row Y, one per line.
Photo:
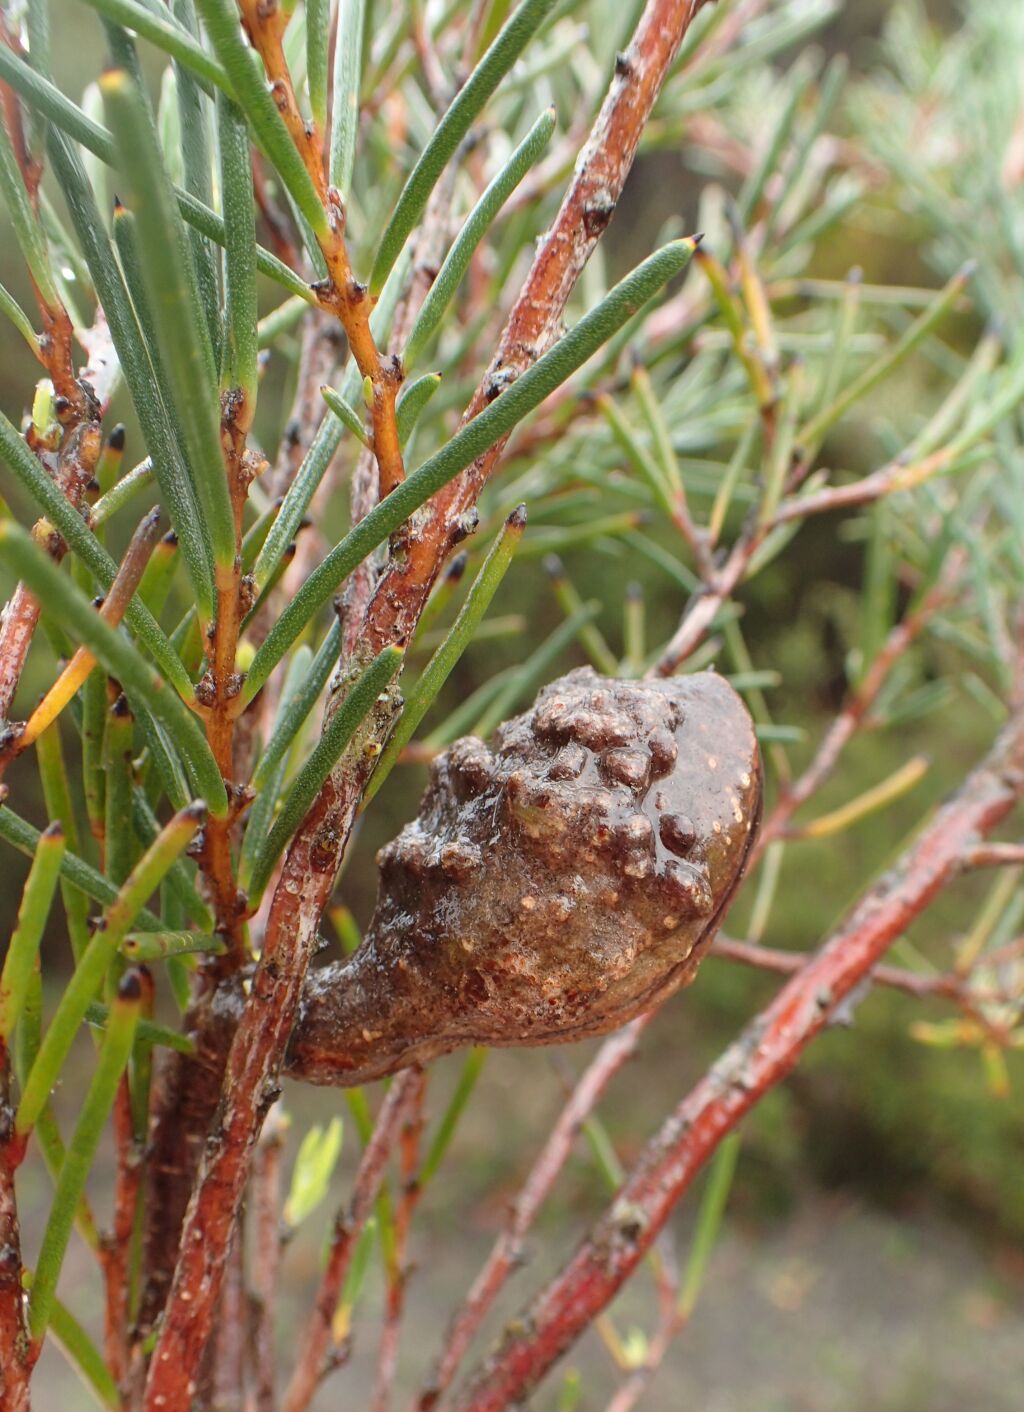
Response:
column 553, row 886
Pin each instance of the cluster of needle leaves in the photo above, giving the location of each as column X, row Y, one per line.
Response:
column 335, row 205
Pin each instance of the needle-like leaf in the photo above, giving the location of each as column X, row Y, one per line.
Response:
column 177, row 310
column 476, row 437
column 336, row 736
column 442, row 663
column 479, row 221
column 510, row 42
column 118, row 656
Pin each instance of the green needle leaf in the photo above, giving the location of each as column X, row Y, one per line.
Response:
column 241, row 342
column 252, row 93
column 113, row 1060
column 118, row 656
column 167, row 34
column 177, row 310
column 23, row 947
column 336, row 736
column 345, row 413
column 88, row 976
column 159, row 946
column 306, row 678
column 456, row 262
column 441, row 664
column 471, row 441
column 709, row 1221
column 510, row 42
column 348, row 62
column 318, row 28
column 414, row 397
column 12, row 310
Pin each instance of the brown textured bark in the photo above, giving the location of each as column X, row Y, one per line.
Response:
column 15, row 1362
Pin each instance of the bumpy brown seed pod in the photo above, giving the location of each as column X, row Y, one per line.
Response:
column 551, row 888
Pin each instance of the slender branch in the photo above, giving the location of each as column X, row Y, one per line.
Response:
column 946, row 986
column 266, row 1206
column 397, row 1271
column 762, row 1057
column 995, row 855
column 310, row 1365
column 507, row 1252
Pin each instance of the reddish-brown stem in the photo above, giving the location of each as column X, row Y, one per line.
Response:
column 947, row 986
column 266, row 1208
column 265, row 22
column 310, row 1365
column 762, row 1057
column 397, row 1269
column 218, row 692
column 506, row 1254
column 20, row 618
column 15, row 1366
column 995, row 855
column 116, row 1246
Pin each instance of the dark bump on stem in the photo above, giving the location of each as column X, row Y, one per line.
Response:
column 457, row 567
column 467, row 524
column 130, row 986
column 597, row 214
column 517, row 519
column 117, row 437
column 53, row 831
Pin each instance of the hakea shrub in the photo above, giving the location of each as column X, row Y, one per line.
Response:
column 399, row 212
